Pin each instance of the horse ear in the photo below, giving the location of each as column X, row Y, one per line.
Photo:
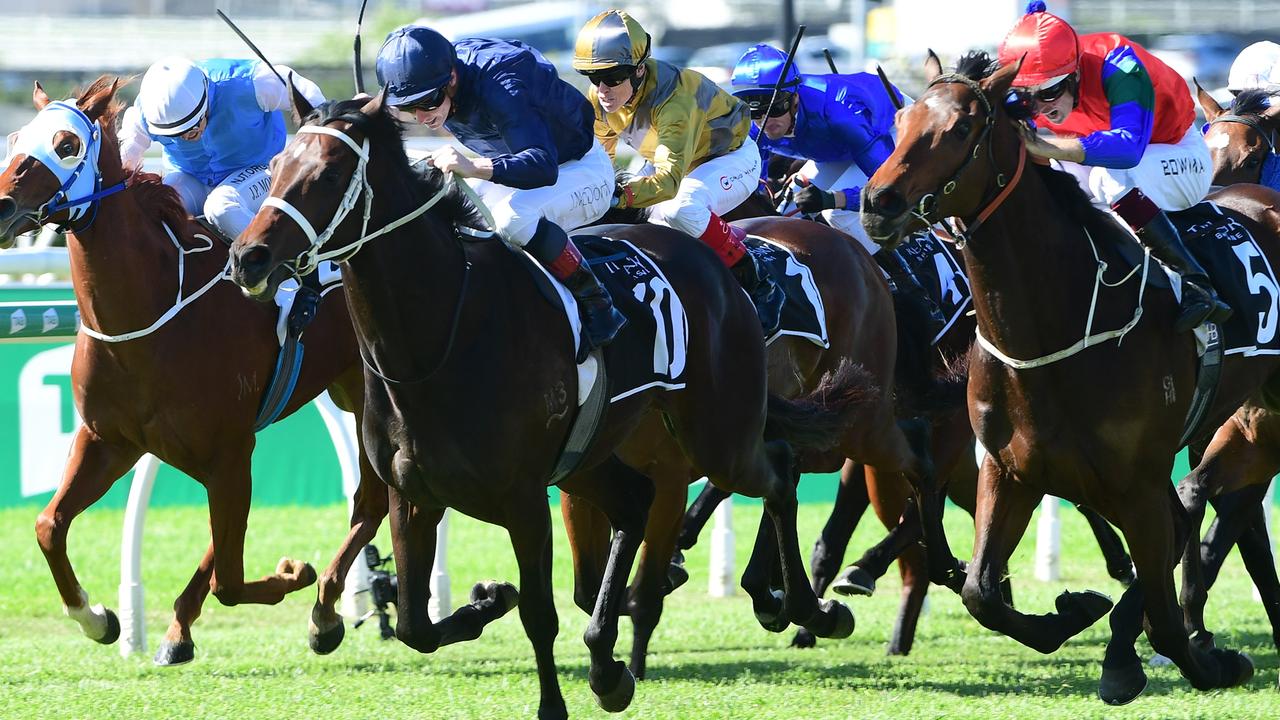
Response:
column 932, row 67
column 95, row 104
column 1211, row 107
column 39, row 97
column 998, row 83
column 301, row 106
column 376, row 103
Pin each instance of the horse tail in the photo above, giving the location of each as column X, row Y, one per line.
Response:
column 817, row 421
column 920, row 389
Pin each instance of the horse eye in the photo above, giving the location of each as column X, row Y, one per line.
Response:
column 963, row 127
column 66, row 149
column 1252, row 162
column 330, row 177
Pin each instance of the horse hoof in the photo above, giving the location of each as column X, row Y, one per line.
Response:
column 854, row 581
column 774, row 620
column 1119, row 686
column 502, row 594
column 179, row 653
column 113, row 629
column 1086, row 608
column 838, row 619
column 1237, row 668
column 804, row 639
column 617, row 699
column 676, row 576
column 324, row 642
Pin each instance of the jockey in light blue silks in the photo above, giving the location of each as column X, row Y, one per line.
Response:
column 841, row 124
column 540, row 170
column 219, row 123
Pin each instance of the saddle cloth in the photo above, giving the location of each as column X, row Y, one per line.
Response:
column 803, row 314
column 941, row 275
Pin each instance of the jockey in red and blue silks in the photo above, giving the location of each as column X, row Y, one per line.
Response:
column 841, row 124
column 1122, row 123
column 540, row 171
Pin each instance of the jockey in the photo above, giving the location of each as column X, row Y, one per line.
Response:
column 694, row 135
column 1257, row 67
column 1120, row 118
column 842, row 124
column 219, row 123
column 540, row 171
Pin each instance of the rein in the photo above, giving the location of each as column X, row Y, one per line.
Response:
column 309, row 259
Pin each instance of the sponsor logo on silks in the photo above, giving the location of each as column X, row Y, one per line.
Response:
column 17, row 321
column 728, row 181
column 50, row 318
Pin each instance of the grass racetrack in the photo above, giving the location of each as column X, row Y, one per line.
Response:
column 710, row 659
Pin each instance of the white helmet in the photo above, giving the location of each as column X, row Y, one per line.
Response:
column 174, row 96
column 1256, row 67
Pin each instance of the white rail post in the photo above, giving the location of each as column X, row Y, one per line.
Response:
column 346, row 443
column 721, row 580
column 1048, row 540
column 133, row 627
column 440, row 604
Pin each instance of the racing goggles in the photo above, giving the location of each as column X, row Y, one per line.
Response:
column 613, row 77
column 1053, row 92
column 427, row 103
column 780, row 107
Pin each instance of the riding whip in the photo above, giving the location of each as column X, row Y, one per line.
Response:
column 791, row 56
column 831, row 63
column 252, row 47
column 356, row 60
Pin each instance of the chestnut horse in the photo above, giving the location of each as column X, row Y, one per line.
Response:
column 1079, row 423
column 187, row 392
column 455, row 418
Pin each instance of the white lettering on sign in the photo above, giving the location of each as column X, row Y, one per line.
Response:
column 47, row 419
column 50, row 318
column 17, row 321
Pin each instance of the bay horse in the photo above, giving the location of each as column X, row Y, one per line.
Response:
column 455, row 417
column 1080, row 425
column 187, row 392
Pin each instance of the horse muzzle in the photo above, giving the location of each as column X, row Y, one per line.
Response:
column 254, row 270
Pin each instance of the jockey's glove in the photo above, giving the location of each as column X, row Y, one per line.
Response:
column 812, row 199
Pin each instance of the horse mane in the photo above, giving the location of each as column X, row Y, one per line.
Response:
column 1253, row 101
column 385, row 132
column 976, row 65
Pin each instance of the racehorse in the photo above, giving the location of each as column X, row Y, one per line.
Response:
column 455, row 417
column 187, row 392
column 1242, row 138
column 1076, row 422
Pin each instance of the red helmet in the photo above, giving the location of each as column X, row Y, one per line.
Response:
column 1050, row 45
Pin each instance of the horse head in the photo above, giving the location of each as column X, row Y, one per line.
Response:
column 953, row 151
column 317, row 178
column 1242, row 138
column 53, row 169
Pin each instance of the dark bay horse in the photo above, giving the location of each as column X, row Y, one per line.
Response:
column 469, row 375
column 187, row 392
column 1099, row 426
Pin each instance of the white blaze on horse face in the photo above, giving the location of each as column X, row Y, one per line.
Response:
column 1217, row 141
column 299, row 149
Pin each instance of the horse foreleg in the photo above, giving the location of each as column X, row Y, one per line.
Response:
column 652, row 581
column 1255, row 551
column 1224, row 532
column 860, row 577
column 625, row 496
column 530, row 532
column 1003, row 511
column 828, row 552
column 369, row 507
column 698, row 514
column 93, row 466
column 767, row 603
column 588, row 531
column 230, row 489
column 1193, row 493
column 177, row 647
column 915, row 586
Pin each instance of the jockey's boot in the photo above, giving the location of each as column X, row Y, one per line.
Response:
column 905, row 283
column 601, row 321
column 1200, row 301
column 766, row 294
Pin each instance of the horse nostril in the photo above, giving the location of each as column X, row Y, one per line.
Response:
column 887, row 201
column 254, row 258
column 8, row 208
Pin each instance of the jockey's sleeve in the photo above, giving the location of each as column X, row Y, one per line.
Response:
column 852, row 124
column 605, row 134
column 677, row 122
column 533, row 160
column 134, row 139
column 1131, row 97
column 274, row 95
column 765, row 153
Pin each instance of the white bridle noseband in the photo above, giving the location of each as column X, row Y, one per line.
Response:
column 307, row 261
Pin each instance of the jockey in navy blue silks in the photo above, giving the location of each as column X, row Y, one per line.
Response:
column 841, row 124
column 219, row 123
column 540, row 171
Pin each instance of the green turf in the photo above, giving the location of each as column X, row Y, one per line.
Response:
column 709, row 660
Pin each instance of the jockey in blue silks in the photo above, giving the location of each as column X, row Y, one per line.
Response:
column 540, row 171
column 841, row 124
column 219, row 123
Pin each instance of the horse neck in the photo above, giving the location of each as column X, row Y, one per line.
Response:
column 403, row 288
column 123, row 266
column 1031, row 272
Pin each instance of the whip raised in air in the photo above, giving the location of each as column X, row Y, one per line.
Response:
column 786, row 65
column 356, row 62
column 252, row 47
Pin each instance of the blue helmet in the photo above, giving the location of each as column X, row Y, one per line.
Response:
column 413, row 62
column 758, row 70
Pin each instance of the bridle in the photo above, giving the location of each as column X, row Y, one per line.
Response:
column 928, row 204
column 1254, row 122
